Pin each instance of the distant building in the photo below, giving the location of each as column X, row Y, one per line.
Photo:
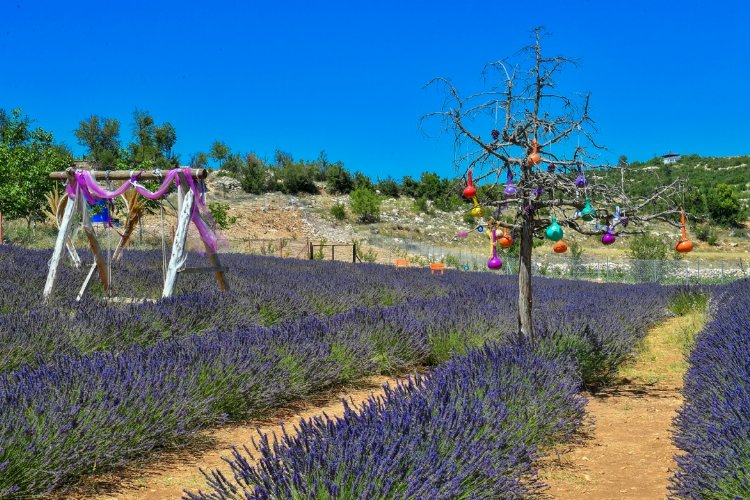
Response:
column 670, row 158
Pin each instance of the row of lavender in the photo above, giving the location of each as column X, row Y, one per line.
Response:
column 264, row 291
column 69, row 414
column 714, row 423
column 472, row 429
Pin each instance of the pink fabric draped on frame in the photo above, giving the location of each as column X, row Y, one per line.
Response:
column 92, row 191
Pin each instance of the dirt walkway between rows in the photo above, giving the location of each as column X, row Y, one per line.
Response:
column 628, row 451
column 166, row 475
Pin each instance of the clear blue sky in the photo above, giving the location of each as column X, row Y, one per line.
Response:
column 348, row 77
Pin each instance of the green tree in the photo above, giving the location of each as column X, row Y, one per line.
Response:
column 253, row 177
column 365, row 203
column 362, row 181
column 143, row 132
column 165, row 137
column 297, row 178
column 219, row 152
column 723, row 206
column 27, row 157
column 338, row 179
column 389, row 187
column 101, row 136
column 199, row 160
column 410, row 187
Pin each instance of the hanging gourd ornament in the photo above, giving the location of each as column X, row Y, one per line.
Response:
column 684, row 245
column 581, row 181
column 506, row 240
column 510, row 188
column 609, row 237
column 495, row 134
column 534, row 158
column 560, row 247
column 588, row 213
column 477, row 211
column 469, row 191
column 554, row 232
column 494, row 262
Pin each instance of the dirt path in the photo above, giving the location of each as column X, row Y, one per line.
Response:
column 166, row 475
column 628, row 452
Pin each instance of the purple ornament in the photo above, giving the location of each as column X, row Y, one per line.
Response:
column 608, row 238
column 581, row 181
column 538, row 191
column 510, row 189
column 551, row 168
column 494, row 263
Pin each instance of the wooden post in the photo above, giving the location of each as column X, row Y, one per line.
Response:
column 310, row 250
column 62, row 236
column 333, row 252
column 354, row 253
column 101, row 264
column 178, row 247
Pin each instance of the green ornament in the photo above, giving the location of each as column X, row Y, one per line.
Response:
column 554, row 232
column 588, row 213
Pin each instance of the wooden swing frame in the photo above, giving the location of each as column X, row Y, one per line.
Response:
column 185, row 207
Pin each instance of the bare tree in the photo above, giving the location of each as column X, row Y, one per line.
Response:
column 540, row 146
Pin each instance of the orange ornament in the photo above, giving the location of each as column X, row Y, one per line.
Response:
column 560, row 247
column 506, row 240
column 534, row 158
column 684, row 245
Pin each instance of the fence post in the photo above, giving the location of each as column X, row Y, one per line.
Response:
column 333, row 252
column 354, row 253
column 656, row 279
column 310, row 250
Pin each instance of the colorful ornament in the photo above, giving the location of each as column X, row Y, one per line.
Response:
column 684, row 245
column 608, row 238
column 560, row 247
column 495, row 134
column 477, row 211
column 494, row 263
column 534, row 158
column 469, row 191
column 510, row 188
column 554, row 232
column 581, row 181
column 506, row 240
column 588, row 213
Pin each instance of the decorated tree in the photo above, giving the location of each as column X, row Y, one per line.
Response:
column 521, row 131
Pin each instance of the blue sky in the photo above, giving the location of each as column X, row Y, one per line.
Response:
column 348, row 77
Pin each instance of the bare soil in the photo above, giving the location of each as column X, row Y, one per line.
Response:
column 166, row 475
column 628, row 452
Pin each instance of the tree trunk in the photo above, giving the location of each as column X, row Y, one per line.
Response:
column 525, row 326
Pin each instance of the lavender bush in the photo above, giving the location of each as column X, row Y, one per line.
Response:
column 713, row 426
column 469, row 430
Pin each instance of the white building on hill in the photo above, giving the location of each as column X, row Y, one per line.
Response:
column 670, row 158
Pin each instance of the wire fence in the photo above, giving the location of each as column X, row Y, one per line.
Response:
column 623, row 270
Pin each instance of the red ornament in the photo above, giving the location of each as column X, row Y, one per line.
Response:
column 470, row 191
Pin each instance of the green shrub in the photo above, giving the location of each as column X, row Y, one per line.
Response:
column 389, row 187
column 687, row 301
column 338, row 211
column 421, row 205
column 648, row 247
column 366, row 204
column 298, row 178
column 338, row 180
column 220, row 214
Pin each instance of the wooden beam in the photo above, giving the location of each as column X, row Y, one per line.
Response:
column 62, row 236
column 101, row 264
column 124, row 175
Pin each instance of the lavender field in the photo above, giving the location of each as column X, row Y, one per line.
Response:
column 87, row 387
